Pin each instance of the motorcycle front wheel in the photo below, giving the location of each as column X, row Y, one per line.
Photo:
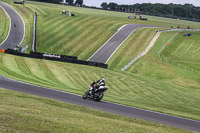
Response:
column 85, row 95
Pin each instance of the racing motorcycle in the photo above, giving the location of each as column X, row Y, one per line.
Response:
column 95, row 92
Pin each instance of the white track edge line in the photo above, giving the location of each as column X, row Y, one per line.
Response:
column 22, row 21
column 125, row 40
column 120, row 45
column 108, row 41
column 9, row 25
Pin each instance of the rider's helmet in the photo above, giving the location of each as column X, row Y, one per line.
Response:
column 103, row 79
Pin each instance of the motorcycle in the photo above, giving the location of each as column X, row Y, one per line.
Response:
column 97, row 93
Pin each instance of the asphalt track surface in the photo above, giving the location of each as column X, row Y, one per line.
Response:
column 104, row 106
column 16, row 30
column 104, row 53
column 16, row 36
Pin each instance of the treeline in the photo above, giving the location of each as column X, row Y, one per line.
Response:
column 165, row 10
column 70, row 2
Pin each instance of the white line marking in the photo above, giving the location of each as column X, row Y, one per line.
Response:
column 9, row 25
column 21, row 19
column 120, row 45
column 107, row 41
column 122, row 42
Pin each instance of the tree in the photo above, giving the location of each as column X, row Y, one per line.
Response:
column 79, row 2
column 112, row 6
column 104, row 5
column 70, row 2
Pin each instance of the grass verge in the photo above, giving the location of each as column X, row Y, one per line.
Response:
column 124, row 87
column 25, row 113
column 4, row 25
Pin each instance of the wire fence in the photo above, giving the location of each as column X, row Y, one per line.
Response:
column 178, row 64
column 162, row 58
column 186, row 68
column 169, row 30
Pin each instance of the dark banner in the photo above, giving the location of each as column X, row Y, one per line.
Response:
column 55, row 57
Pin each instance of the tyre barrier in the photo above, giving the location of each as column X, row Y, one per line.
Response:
column 55, row 57
column 18, row 2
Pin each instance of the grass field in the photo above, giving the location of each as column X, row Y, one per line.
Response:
column 182, row 62
column 81, row 35
column 185, row 51
column 150, row 83
column 25, row 113
column 4, row 25
column 125, row 88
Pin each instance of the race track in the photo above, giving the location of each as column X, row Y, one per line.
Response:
column 15, row 37
column 104, row 106
column 104, row 53
column 16, row 30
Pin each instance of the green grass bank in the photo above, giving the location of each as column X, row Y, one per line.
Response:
column 25, row 113
column 125, row 88
column 151, row 83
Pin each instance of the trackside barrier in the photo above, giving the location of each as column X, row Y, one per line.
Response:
column 34, row 32
column 54, row 57
column 179, row 30
column 18, row 2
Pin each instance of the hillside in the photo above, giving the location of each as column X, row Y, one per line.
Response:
column 125, row 88
column 25, row 113
column 83, row 34
column 151, row 83
column 177, row 63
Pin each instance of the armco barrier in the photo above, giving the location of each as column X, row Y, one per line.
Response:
column 53, row 57
column 34, row 32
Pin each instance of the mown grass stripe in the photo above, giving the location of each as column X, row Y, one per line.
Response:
column 93, row 38
column 89, row 32
column 70, row 35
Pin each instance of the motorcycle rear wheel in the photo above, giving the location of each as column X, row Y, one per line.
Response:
column 98, row 96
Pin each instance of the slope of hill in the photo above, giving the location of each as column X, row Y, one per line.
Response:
column 25, row 113
column 125, row 88
column 81, row 35
column 177, row 63
column 149, row 84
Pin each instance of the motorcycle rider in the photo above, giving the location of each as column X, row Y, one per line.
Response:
column 101, row 82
